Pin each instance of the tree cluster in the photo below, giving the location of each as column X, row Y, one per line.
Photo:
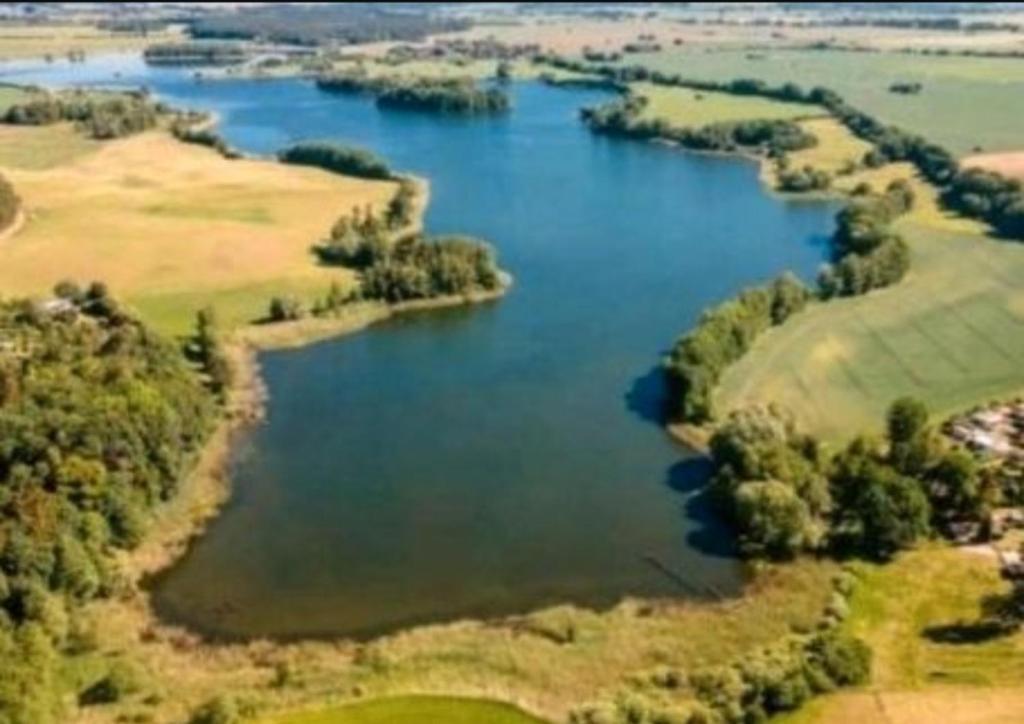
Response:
column 986, row 195
column 185, row 131
column 185, row 54
column 722, row 336
column 874, row 497
column 99, row 421
column 442, row 95
column 101, row 116
column 338, row 159
column 868, row 253
column 803, row 180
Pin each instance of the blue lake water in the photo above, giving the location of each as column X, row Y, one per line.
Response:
column 489, row 460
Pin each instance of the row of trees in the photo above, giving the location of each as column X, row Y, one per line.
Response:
column 444, row 95
column 874, row 498
column 624, row 117
column 179, row 54
column 722, row 336
column 335, row 157
column 995, row 199
column 10, row 204
column 102, row 116
column 868, row 253
column 99, row 421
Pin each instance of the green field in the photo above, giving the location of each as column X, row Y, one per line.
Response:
column 966, row 102
column 415, row 710
column 683, row 107
column 952, row 334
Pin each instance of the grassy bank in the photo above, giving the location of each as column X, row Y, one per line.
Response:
column 414, row 710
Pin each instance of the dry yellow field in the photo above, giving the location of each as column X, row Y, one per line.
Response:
column 172, row 227
column 28, row 41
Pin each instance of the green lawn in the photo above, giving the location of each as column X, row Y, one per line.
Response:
column 966, row 102
column 952, row 334
column 683, row 107
column 415, row 710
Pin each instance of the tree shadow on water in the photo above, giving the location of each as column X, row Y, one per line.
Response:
column 711, row 535
column 647, row 398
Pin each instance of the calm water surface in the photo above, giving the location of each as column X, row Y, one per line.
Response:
column 491, row 460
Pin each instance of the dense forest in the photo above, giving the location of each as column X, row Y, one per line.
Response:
column 444, row 95
column 102, row 116
column 337, row 158
column 10, row 204
column 329, row 23
column 195, row 54
column 99, row 421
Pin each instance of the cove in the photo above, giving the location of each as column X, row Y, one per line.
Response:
column 490, row 460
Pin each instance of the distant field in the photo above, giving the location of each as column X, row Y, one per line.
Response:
column 415, row 710
column 921, row 679
column 966, row 102
column 687, row 108
column 170, row 227
column 37, row 40
column 1009, row 164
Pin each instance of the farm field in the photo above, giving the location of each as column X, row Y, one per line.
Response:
column 683, row 107
column 414, row 710
column 37, row 40
column 1008, row 164
column 903, row 610
column 171, row 227
column 955, row 108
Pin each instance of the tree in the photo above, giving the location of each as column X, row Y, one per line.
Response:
column 773, row 521
column 956, row 486
column 911, row 442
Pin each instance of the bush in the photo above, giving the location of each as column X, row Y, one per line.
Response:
column 121, row 681
column 219, row 710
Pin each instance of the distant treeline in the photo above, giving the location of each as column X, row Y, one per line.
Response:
column 445, row 95
column 982, row 195
column 622, row 117
column 100, row 420
column 337, row 158
column 328, row 23
column 195, row 54
column 101, row 115
column 10, row 204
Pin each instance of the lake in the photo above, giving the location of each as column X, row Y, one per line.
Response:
column 490, row 460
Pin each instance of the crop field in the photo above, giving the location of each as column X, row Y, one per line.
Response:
column 38, row 40
column 172, row 227
column 911, row 613
column 954, row 109
column 414, row 710
column 950, row 334
column 683, row 107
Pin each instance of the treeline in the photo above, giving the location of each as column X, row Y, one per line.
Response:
column 338, row 159
column 444, row 95
column 873, row 498
column 722, row 336
column 868, row 254
column 102, row 116
column 623, row 117
column 322, row 24
column 193, row 130
column 10, row 204
column 1002, row 200
column 184, row 54
column 100, row 420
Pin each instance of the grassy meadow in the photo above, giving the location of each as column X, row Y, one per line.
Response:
column 966, row 103
column 683, row 107
column 902, row 610
column 414, row 710
column 170, row 227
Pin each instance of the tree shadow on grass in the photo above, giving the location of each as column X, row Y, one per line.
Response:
column 968, row 632
column 712, row 536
